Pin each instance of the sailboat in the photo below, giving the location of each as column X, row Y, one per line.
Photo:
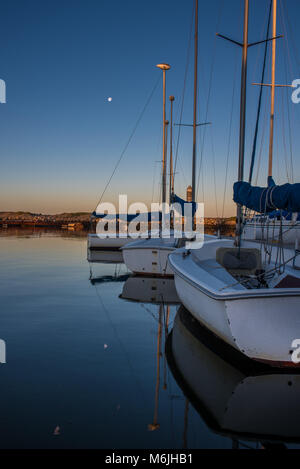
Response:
column 278, row 226
column 248, row 294
column 119, row 239
column 120, row 236
column 108, row 242
column 111, row 241
column 235, row 397
column 150, row 256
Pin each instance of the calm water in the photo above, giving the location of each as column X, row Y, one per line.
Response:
column 86, row 368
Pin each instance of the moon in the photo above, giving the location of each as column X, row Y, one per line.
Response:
column 109, row 99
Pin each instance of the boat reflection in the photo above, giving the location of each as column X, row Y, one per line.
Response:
column 235, row 398
column 153, row 290
column 162, row 293
column 105, row 257
column 113, row 260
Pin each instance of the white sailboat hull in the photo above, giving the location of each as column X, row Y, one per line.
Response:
column 272, row 231
column 259, row 328
column 150, row 256
column 96, row 242
column 262, row 406
column 262, row 323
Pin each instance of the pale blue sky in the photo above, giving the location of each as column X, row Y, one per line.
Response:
column 61, row 60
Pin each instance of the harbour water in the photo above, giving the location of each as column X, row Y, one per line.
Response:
column 88, row 368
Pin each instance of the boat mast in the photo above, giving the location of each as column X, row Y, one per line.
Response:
column 155, row 425
column 242, row 119
column 195, row 103
column 270, row 170
column 171, row 98
column 164, row 67
column 166, row 151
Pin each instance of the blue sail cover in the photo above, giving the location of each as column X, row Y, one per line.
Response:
column 182, row 202
column 267, row 199
column 155, row 216
column 286, row 215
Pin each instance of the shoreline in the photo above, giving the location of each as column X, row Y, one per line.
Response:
column 80, row 220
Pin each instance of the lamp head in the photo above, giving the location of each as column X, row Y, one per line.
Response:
column 163, row 66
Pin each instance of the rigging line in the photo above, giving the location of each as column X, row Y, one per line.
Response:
column 230, row 132
column 266, row 273
column 286, row 79
column 214, row 171
column 182, row 172
column 262, row 140
column 153, row 183
column 158, row 152
column 265, row 23
column 205, row 92
column 159, row 186
column 284, row 139
column 260, row 97
column 295, row 50
column 130, row 138
column 164, row 337
column 276, row 152
column 143, row 306
column 290, row 137
column 209, row 94
column 121, row 345
column 254, row 146
column 169, row 391
column 183, row 92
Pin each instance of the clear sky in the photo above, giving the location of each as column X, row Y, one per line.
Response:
column 61, row 137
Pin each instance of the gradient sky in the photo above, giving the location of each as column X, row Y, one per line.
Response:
column 62, row 59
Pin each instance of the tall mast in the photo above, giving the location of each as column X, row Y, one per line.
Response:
column 164, row 67
column 155, row 425
column 171, row 98
column 242, row 117
column 195, row 103
column 166, row 151
column 272, row 91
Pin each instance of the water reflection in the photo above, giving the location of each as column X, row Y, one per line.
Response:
column 234, row 398
column 162, row 293
column 105, row 257
column 86, row 363
column 39, row 232
column 150, row 290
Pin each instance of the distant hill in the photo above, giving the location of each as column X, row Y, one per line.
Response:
column 27, row 215
column 78, row 217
